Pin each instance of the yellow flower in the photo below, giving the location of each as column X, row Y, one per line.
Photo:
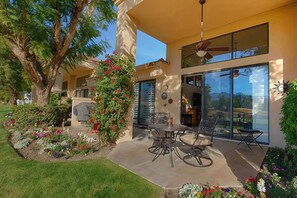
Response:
column 199, row 194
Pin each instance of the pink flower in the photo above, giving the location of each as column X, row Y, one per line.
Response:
column 107, row 61
column 58, row 132
column 114, row 52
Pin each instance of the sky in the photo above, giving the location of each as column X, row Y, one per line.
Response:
column 148, row 49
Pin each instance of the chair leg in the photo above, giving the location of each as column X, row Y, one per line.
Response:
column 200, row 159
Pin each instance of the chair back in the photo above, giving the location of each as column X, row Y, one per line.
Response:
column 158, row 118
column 207, row 127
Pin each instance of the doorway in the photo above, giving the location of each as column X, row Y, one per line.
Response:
column 191, row 107
column 144, row 103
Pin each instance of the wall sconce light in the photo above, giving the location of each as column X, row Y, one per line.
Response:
column 165, row 87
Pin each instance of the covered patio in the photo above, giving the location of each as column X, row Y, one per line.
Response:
column 232, row 163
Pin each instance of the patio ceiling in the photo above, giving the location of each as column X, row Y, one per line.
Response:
column 171, row 20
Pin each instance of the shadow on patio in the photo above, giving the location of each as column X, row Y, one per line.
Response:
column 232, row 164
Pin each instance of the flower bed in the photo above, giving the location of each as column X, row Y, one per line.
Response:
column 54, row 142
column 277, row 178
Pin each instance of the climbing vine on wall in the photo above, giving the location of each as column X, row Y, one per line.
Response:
column 114, row 86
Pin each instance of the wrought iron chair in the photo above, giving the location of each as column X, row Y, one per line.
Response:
column 159, row 144
column 198, row 142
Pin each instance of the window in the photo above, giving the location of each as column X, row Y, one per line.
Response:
column 244, row 43
column 81, row 81
column 81, row 87
column 64, row 89
column 250, row 42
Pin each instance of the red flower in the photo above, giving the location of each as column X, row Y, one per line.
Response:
column 107, row 61
column 205, row 192
column 106, row 72
column 117, row 91
column 112, row 81
column 118, row 68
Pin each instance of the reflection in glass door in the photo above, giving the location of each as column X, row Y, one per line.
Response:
column 217, row 89
column 239, row 97
column 144, row 104
column 250, row 100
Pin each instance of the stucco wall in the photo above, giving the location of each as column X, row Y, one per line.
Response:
column 282, row 61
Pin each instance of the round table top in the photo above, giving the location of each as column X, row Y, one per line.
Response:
column 166, row 127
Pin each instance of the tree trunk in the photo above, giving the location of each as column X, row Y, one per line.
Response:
column 13, row 96
column 41, row 95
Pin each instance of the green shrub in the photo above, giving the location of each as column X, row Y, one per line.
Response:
column 54, row 99
column 22, row 143
column 28, row 116
column 289, row 119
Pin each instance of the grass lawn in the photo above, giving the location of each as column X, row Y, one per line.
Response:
column 87, row 178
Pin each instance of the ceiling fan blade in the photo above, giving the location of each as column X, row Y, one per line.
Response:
column 225, row 75
column 202, row 45
column 189, row 55
column 243, row 74
column 208, row 56
column 218, row 49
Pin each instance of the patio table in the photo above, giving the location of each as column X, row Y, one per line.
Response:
column 251, row 136
column 170, row 135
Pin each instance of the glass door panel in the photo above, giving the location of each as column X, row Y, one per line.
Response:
column 136, row 103
column 146, row 101
column 217, row 97
column 250, row 100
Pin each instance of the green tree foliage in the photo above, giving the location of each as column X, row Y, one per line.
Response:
column 289, row 119
column 13, row 80
column 46, row 35
column 115, row 92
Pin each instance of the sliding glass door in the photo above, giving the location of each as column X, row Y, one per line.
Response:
column 144, row 104
column 217, row 97
column 239, row 97
column 250, row 100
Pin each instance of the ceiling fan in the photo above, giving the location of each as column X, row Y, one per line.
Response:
column 202, row 48
column 236, row 74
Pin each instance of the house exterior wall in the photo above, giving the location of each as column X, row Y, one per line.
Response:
column 282, row 61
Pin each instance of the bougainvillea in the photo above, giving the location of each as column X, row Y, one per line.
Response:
column 114, row 85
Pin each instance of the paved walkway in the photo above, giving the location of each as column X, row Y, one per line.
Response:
column 232, row 164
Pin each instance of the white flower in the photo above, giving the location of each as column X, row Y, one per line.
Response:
column 261, row 185
column 189, row 190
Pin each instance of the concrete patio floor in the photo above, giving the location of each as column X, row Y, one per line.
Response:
column 232, row 164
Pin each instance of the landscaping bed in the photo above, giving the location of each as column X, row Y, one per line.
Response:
column 56, row 144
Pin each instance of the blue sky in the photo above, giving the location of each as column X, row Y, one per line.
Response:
column 147, row 48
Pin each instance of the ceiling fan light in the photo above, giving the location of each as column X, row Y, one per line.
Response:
column 201, row 53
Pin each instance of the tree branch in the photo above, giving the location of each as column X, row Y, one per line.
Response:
column 24, row 20
column 57, row 32
column 32, row 67
column 60, row 54
column 80, row 4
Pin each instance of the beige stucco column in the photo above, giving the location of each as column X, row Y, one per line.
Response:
column 71, row 86
column 126, row 31
column 126, row 45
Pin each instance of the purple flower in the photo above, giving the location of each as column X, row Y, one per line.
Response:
column 40, row 135
column 228, row 190
column 275, row 168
